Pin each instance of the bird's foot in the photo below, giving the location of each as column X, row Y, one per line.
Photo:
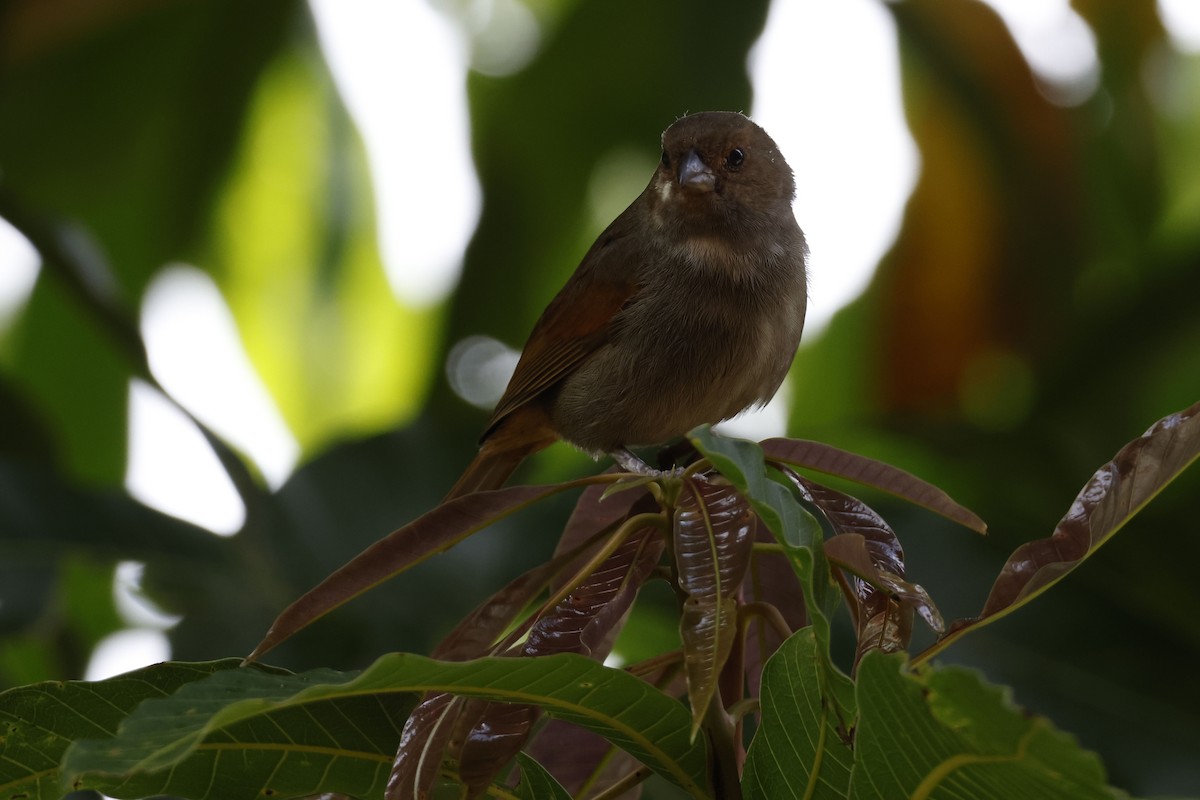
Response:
column 631, row 463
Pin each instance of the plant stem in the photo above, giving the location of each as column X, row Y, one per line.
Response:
column 721, row 730
column 625, row 784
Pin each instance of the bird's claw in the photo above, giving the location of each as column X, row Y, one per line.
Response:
column 631, row 463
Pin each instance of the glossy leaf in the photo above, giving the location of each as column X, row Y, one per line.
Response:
column 867, row 547
column 426, row 735
column 595, row 511
column 713, row 534
column 800, row 536
column 584, row 622
column 869, row 472
column 796, row 530
column 494, row 740
column 37, row 732
column 234, row 736
column 1117, row 491
column 478, row 632
column 946, row 733
column 429, row 534
column 885, row 621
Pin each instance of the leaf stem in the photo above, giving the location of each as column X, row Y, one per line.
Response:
column 625, row 784
column 769, row 614
column 742, row 708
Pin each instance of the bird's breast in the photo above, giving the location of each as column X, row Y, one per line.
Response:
column 693, row 347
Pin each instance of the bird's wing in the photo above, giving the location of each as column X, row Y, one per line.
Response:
column 577, row 322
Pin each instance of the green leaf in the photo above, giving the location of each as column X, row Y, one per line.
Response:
column 241, row 733
column 800, row 748
column 537, row 783
column 946, row 733
column 742, row 463
column 246, row 733
column 39, row 722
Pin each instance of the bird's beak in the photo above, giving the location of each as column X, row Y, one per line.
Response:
column 695, row 174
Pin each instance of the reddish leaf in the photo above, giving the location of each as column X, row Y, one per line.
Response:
column 1114, row 494
column 572, row 755
column 580, row 623
column 402, row 549
column 868, row 548
column 849, row 515
column 478, row 633
column 424, row 739
column 887, row 600
column 594, row 513
column 433, row 722
column 869, row 472
column 492, row 742
column 713, row 535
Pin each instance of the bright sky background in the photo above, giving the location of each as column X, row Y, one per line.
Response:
column 826, row 88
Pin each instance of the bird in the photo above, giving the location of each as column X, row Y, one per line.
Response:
column 687, row 309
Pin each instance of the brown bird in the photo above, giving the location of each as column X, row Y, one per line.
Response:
column 687, row 309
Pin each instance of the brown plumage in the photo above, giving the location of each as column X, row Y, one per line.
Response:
column 687, row 309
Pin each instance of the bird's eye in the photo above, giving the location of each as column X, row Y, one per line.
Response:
column 666, row 159
column 735, row 158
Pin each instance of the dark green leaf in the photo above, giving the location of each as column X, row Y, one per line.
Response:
column 245, row 733
column 38, row 722
column 579, row 759
column 801, row 749
column 242, row 732
column 946, row 733
column 537, row 783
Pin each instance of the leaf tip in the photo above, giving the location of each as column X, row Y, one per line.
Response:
column 264, row 647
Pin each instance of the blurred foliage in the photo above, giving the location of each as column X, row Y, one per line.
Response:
column 1038, row 309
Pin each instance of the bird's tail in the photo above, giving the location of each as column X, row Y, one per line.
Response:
column 493, row 465
column 488, row 470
